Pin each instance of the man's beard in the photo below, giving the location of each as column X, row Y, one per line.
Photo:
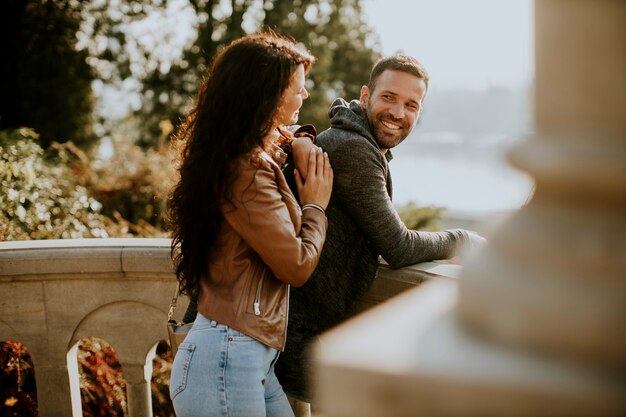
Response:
column 384, row 139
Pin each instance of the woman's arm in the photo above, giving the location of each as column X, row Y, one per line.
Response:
column 258, row 212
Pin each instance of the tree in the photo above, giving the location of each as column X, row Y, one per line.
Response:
column 54, row 51
column 120, row 56
column 333, row 29
column 45, row 81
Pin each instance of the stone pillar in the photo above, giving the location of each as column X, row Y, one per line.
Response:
column 56, row 375
column 553, row 281
column 137, row 377
column 53, row 390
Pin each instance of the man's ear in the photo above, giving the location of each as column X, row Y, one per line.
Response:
column 365, row 96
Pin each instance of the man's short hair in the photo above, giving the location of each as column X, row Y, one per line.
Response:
column 397, row 62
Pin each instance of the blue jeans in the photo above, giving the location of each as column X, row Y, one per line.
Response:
column 219, row 371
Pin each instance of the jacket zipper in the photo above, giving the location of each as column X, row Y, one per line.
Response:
column 257, row 298
column 287, row 318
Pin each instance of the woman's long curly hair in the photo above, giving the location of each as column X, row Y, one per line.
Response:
column 235, row 110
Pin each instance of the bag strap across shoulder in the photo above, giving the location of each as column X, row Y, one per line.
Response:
column 170, row 313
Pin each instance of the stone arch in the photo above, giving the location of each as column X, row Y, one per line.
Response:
column 133, row 329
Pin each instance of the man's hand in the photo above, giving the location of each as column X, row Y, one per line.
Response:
column 475, row 241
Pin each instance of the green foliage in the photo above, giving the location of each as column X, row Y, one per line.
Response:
column 61, row 193
column 333, row 30
column 421, row 218
column 46, row 81
column 133, row 186
column 53, row 50
column 120, row 58
column 40, row 199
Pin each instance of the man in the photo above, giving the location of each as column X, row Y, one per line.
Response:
column 363, row 223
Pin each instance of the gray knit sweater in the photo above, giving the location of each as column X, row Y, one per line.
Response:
column 363, row 224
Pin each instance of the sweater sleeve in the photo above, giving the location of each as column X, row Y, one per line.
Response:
column 360, row 187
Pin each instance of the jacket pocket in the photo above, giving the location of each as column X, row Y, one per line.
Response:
column 180, row 369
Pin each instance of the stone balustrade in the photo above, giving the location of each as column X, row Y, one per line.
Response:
column 56, row 292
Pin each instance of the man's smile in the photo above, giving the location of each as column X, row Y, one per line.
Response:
column 390, row 125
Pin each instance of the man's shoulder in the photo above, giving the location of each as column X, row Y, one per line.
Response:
column 337, row 139
column 350, row 151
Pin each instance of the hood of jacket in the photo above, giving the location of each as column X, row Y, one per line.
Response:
column 352, row 117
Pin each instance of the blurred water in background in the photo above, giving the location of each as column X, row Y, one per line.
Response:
column 469, row 177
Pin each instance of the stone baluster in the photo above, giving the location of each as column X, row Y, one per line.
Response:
column 553, row 281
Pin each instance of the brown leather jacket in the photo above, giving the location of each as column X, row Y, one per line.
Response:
column 265, row 243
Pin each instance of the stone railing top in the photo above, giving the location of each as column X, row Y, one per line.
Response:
column 84, row 256
column 437, row 268
column 136, row 255
column 83, row 243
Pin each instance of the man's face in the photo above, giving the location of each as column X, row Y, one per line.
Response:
column 394, row 106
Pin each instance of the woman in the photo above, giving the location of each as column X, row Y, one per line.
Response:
column 239, row 236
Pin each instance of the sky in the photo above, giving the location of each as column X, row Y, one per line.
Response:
column 463, row 43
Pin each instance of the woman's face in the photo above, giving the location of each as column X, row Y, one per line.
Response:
column 292, row 99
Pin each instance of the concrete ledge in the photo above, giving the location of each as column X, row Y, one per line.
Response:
column 84, row 256
column 391, row 282
column 410, row 356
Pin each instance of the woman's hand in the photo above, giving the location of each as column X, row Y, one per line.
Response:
column 319, row 179
column 300, row 147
